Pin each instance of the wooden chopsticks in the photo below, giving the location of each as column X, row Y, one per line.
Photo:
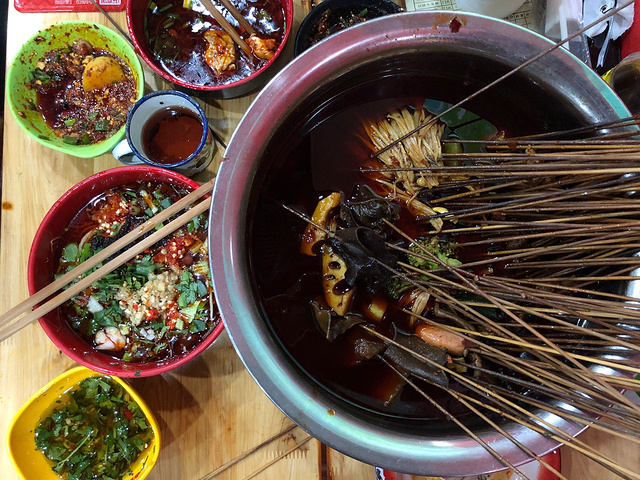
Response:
column 244, row 23
column 11, row 322
column 226, row 26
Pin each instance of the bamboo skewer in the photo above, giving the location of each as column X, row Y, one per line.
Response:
column 546, row 429
column 624, row 122
column 580, row 371
column 242, row 456
column 628, row 428
column 227, row 27
column 244, row 23
column 503, row 77
column 547, row 303
column 469, row 432
column 559, row 372
column 621, row 420
column 627, row 433
column 571, row 443
column 302, row 442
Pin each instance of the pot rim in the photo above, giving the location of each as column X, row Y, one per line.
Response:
column 309, row 407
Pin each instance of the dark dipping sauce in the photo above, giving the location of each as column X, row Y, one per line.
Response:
column 79, row 116
column 157, row 306
column 171, row 135
column 176, row 38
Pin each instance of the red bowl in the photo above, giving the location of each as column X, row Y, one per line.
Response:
column 136, row 22
column 43, row 258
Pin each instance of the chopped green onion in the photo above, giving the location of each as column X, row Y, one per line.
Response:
column 101, row 125
column 70, row 252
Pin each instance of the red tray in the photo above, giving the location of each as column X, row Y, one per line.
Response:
column 31, row 6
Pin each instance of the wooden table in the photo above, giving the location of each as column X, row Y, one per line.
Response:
column 210, row 411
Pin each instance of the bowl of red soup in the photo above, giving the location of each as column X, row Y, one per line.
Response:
column 71, row 86
column 183, row 43
column 151, row 314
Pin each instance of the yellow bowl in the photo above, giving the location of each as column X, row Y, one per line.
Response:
column 31, row 463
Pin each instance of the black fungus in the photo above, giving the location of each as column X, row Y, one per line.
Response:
column 365, row 254
column 409, row 364
column 333, row 326
column 339, row 325
column 367, row 209
column 367, row 348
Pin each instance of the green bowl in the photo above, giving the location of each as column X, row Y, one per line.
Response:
column 21, row 98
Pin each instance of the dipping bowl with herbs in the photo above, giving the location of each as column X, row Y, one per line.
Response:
column 71, row 86
column 151, row 314
column 84, row 425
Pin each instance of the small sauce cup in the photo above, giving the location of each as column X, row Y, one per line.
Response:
column 167, row 129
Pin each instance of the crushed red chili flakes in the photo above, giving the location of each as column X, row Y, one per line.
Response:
column 79, row 116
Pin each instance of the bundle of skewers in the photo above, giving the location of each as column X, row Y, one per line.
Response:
column 545, row 294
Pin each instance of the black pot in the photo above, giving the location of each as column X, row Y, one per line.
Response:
column 333, row 13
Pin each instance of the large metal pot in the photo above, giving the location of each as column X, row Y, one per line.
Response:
column 407, row 53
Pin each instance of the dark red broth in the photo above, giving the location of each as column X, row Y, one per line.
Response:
column 171, row 135
column 78, row 116
column 175, row 36
column 289, row 281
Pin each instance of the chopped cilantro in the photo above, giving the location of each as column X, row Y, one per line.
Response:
column 101, row 125
column 96, row 432
column 107, row 317
column 70, row 252
column 197, row 326
column 41, row 76
column 165, row 203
